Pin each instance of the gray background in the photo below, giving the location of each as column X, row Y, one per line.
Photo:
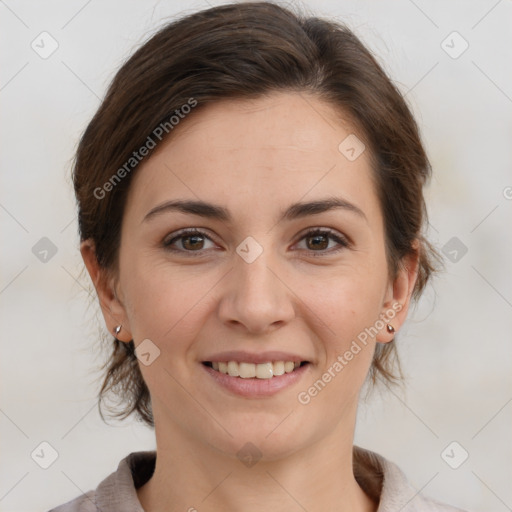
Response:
column 456, row 345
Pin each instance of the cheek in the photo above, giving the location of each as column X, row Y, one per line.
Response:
column 348, row 302
column 348, row 305
column 349, row 310
column 163, row 301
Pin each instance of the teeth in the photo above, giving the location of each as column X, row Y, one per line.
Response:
column 252, row 370
column 233, row 369
column 289, row 366
column 264, row 371
column 278, row 368
column 246, row 370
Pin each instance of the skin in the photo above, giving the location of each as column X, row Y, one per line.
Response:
column 254, row 158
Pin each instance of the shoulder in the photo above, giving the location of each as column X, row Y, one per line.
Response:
column 119, row 490
column 386, row 483
column 84, row 503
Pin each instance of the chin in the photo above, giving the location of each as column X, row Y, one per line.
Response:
column 268, row 437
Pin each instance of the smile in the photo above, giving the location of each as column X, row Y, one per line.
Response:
column 244, row 370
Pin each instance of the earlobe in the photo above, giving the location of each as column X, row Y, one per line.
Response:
column 388, row 321
column 390, row 329
column 113, row 310
column 401, row 289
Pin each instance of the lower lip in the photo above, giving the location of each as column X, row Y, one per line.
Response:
column 257, row 388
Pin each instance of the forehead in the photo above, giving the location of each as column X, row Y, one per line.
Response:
column 257, row 153
column 280, row 125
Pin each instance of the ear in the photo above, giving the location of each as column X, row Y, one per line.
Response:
column 113, row 310
column 399, row 293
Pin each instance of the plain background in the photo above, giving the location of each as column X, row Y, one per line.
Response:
column 455, row 348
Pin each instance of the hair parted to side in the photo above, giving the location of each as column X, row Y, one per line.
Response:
column 248, row 50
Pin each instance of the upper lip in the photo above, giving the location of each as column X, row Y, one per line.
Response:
column 260, row 357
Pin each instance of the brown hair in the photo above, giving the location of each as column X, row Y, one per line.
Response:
column 247, row 50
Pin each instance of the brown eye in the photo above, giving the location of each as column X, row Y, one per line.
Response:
column 192, row 242
column 318, row 240
column 188, row 242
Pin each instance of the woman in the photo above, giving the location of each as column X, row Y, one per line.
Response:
column 251, row 214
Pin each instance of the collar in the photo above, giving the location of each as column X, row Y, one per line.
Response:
column 382, row 480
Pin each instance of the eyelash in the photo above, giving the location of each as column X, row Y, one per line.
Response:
column 343, row 242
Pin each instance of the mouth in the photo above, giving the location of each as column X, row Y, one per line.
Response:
column 255, row 380
column 245, row 370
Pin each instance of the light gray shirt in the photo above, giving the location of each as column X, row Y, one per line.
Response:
column 382, row 480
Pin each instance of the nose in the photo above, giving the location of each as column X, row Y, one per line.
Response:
column 256, row 298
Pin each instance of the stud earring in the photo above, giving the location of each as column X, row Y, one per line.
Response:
column 390, row 329
column 117, row 330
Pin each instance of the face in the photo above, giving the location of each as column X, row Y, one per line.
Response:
column 254, row 276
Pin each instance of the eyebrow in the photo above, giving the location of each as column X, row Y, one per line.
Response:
column 215, row 212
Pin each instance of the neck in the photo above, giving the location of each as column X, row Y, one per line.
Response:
column 192, row 477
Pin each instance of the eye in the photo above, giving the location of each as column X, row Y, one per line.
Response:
column 187, row 240
column 318, row 240
column 192, row 242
